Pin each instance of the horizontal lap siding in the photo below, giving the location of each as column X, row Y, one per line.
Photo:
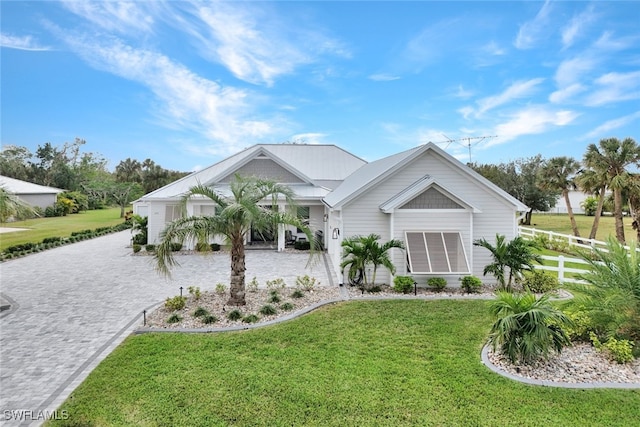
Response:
column 363, row 216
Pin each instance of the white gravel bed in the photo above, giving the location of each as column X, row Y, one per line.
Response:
column 581, row 363
column 216, row 305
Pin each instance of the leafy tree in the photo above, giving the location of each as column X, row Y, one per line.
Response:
column 11, row 206
column 528, row 328
column 360, row 251
column 515, row 256
column 123, row 193
column 557, row 174
column 129, row 170
column 611, row 296
column 238, row 213
column 14, row 162
column 615, row 156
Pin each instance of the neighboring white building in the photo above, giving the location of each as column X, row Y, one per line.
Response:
column 423, row 196
column 33, row 194
column 576, row 197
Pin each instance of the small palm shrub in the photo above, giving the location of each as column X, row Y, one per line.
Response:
column 250, row 318
column 175, row 303
column 540, row 282
column 174, row 318
column 268, row 310
column 437, row 283
column 471, row 284
column 527, row 328
column 234, row 315
column 287, row 306
column 403, row 284
column 297, row 294
column 200, row 312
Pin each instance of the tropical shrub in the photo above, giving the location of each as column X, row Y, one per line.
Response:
column 297, row 294
column 361, row 251
column 302, row 245
column 215, row 247
column 174, row 318
column 250, row 318
column 208, row 319
column 438, row 283
column 620, row 351
column 403, row 284
column 527, row 328
column 136, row 248
column 176, row 247
column 268, row 310
column 150, row 248
column 234, row 315
column 287, row 306
column 274, row 297
column 471, row 284
column 540, row 282
column 52, row 239
column 175, row 303
column 200, row 312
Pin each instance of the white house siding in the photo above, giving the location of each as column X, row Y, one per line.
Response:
column 363, row 216
column 39, row 200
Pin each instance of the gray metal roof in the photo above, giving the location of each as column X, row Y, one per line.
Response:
column 309, row 162
column 373, row 173
column 18, row 186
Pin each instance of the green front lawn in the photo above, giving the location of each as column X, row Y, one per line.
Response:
column 560, row 223
column 39, row 228
column 356, row 363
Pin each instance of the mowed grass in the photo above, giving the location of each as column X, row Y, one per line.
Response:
column 39, row 228
column 560, row 223
column 365, row 363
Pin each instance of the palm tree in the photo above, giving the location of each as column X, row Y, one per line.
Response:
column 614, row 156
column 360, row 251
column 594, row 181
column 516, row 256
column 611, row 296
column 528, row 328
column 129, row 170
column 11, row 206
column 238, row 213
column 557, row 174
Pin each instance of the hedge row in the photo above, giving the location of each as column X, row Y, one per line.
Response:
column 23, row 249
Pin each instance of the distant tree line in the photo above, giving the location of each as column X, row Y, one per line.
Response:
column 84, row 175
column 604, row 173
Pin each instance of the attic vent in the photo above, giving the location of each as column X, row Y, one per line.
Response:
column 431, row 199
column 261, row 156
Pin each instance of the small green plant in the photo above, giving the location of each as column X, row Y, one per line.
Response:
column 619, row 350
column 403, row 284
column 150, row 248
column 234, row 315
column 195, row 292
column 175, row 303
column 437, row 283
column 221, row 288
column 374, row 289
column 215, row 247
column 252, row 286
column 471, row 284
column 276, row 283
column 580, row 327
column 306, row 283
column 302, row 245
column 208, row 319
column 297, row 294
column 202, row 247
column 540, row 282
column 176, row 247
column 174, row 318
column 287, row 306
column 200, row 312
column 274, row 297
column 136, row 248
column 250, row 318
column 268, row 310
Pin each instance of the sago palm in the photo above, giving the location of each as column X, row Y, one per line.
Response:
column 527, row 328
column 238, row 212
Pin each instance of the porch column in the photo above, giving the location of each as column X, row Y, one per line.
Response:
column 281, row 242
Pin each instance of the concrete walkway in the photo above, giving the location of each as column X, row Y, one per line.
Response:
column 71, row 306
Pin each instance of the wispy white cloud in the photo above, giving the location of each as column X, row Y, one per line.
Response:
column 313, row 138
column 517, row 90
column 21, row 43
column 253, row 43
column 607, row 42
column 492, row 48
column 615, row 87
column 576, row 26
column 463, row 93
column 531, row 31
column 566, row 94
column 604, row 129
column 186, row 101
column 572, row 70
column 529, row 121
column 430, row 44
column 383, row 77
column 122, row 17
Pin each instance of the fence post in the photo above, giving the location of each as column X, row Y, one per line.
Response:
column 561, row 268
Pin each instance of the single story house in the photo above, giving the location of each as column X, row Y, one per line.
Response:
column 35, row 195
column 423, row 196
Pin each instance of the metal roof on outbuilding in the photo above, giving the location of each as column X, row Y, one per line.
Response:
column 18, row 186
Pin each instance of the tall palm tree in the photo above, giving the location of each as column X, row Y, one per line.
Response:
column 516, row 256
column 129, row 170
column 594, row 181
column 237, row 214
column 360, row 251
column 615, row 156
column 528, row 328
column 558, row 174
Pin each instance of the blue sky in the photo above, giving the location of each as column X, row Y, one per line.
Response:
column 188, row 83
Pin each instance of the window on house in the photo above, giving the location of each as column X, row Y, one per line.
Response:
column 435, row 252
column 172, row 212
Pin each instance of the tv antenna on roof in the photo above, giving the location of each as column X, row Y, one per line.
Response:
column 461, row 141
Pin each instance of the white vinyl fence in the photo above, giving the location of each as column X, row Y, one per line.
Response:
column 561, row 268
